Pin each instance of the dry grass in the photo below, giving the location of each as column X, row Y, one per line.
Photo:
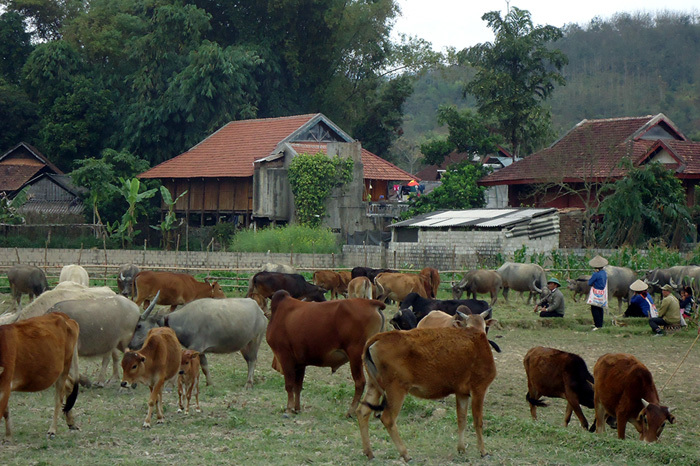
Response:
column 247, row 427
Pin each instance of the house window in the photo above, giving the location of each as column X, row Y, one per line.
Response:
column 407, row 235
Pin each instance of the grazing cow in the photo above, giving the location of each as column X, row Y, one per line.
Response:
column 175, row 288
column 579, row 286
column 35, row 354
column 106, row 327
column 188, row 381
column 404, row 319
column 396, row 286
column 212, row 326
column 125, row 279
column 479, row 281
column 345, row 277
column 522, row 278
column 360, row 287
column 74, row 273
column 267, row 283
column 555, row 373
column 432, row 276
column 422, row 306
column 428, row 363
column 368, row 272
column 26, row 279
column 62, row 292
column 624, row 388
column 154, row 364
column 262, row 303
column 320, row 334
column 330, row 281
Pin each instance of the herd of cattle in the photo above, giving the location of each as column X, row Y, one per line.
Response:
column 448, row 352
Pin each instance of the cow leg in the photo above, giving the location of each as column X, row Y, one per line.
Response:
column 621, row 425
column 5, row 409
column 115, row 365
column 180, row 394
column 462, row 404
column 250, row 354
column 195, row 385
column 205, row 366
column 573, row 405
column 298, row 384
column 599, row 417
column 103, row 369
column 494, row 297
column 58, row 401
column 355, row 357
column 505, row 294
column 363, row 413
column 153, row 401
column 394, row 397
column 478, row 415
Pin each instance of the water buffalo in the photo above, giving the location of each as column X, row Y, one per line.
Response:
column 522, row 278
column 619, row 281
column 125, row 279
column 106, row 325
column 479, row 281
column 212, row 326
column 579, row 285
column 26, row 279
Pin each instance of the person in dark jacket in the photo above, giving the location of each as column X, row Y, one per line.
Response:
column 553, row 304
column 641, row 303
column 598, row 280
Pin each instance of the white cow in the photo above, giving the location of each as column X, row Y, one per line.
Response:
column 74, row 273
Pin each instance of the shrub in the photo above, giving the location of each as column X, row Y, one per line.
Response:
column 296, row 238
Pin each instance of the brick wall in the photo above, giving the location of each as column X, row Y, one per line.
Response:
column 570, row 228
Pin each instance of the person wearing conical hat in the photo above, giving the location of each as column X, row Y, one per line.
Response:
column 641, row 302
column 553, row 304
column 599, row 280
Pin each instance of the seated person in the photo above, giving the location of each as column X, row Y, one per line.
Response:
column 553, row 304
column 687, row 302
column 669, row 311
column 641, row 302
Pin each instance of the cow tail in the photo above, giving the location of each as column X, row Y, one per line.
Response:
column 372, row 371
column 534, row 402
column 70, row 401
column 251, row 286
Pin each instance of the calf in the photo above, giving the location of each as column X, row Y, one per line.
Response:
column 345, row 277
column 422, row 306
column 328, row 280
column 624, row 388
column 154, row 364
column 326, row 334
column 579, row 286
column 428, row 363
column 26, row 279
column 188, row 380
column 267, row 283
column 396, row 286
column 404, row 319
column 35, row 354
column 479, row 281
column 175, row 289
column 555, row 373
column 360, row 287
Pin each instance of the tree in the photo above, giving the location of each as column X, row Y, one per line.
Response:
column 131, row 190
column 16, row 46
column 46, row 17
column 459, row 190
column 648, row 203
column 435, row 149
column 312, row 178
column 515, row 74
column 167, row 226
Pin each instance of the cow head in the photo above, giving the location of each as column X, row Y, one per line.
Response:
column 318, row 294
column 405, row 319
column 457, row 291
column 277, row 298
column 133, row 367
column 652, row 418
column 188, row 356
column 216, row 291
column 144, row 325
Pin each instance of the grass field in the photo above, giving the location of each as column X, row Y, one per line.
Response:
column 239, row 426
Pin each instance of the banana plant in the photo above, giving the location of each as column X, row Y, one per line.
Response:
column 168, row 224
column 130, row 189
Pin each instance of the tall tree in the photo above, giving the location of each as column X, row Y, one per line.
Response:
column 515, row 74
column 46, row 17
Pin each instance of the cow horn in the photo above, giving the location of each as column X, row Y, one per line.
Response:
column 670, row 410
column 485, row 314
column 147, row 312
column 670, row 282
column 645, row 402
column 462, row 315
column 534, row 285
column 121, row 276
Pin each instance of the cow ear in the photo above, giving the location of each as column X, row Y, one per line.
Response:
column 142, row 358
column 2, row 369
column 195, row 354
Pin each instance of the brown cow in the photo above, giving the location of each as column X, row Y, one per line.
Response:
column 624, row 388
column 360, row 287
column 175, row 288
column 345, row 277
column 188, row 380
column 328, row 280
column 396, row 286
column 432, row 276
column 428, row 363
column 34, row 354
column 154, row 364
column 555, row 373
column 326, row 334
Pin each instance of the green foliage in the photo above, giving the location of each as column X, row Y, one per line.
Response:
column 649, row 203
column 467, row 130
column 168, row 224
column 131, row 191
column 9, row 207
column 294, row 238
column 514, row 75
column 312, row 178
column 18, row 116
column 16, row 46
column 435, row 149
column 457, row 191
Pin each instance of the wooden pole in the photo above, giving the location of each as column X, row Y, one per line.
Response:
column 80, row 254
column 17, row 253
column 104, row 248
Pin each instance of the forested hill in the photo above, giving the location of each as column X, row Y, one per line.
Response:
column 628, row 65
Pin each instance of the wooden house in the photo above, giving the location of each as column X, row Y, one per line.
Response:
column 219, row 172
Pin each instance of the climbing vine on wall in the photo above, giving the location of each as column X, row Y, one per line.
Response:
column 312, row 178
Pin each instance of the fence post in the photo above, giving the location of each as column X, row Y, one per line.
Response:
column 364, row 246
column 80, row 254
column 332, row 260
column 46, row 251
column 17, row 253
column 143, row 259
column 394, row 259
column 454, row 261
column 104, row 248
column 291, row 255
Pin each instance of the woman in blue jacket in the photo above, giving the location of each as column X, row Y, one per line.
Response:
column 598, row 280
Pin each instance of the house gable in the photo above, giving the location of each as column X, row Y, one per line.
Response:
column 21, row 164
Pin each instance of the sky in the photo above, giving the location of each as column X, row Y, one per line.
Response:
column 458, row 23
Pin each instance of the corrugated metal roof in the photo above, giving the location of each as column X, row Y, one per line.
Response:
column 480, row 218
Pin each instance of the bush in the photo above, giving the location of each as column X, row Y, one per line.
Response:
column 294, row 238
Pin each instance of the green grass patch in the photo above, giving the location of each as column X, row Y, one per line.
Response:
column 293, row 238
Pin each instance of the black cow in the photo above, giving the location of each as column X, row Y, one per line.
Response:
column 405, row 319
column 266, row 283
column 422, row 306
column 368, row 272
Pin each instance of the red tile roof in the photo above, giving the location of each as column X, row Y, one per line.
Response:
column 12, row 177
column 22, row 163
column 230, row 151
column 591, row 150
column 375, row 167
